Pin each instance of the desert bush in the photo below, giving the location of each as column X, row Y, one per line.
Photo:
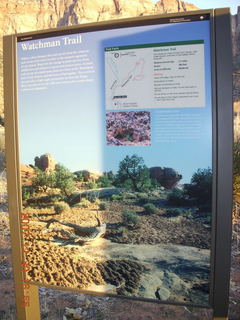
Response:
column 199, row 191
column 61, row 179
column 130, row 218
column 144, row 199
column 117, row 197
column 61, row 206
column 25, row 195
column 122, row 229
column 103, row 206
column 177, row 197
column 129, row 195
column 104, row 181
column 91, row 185
column 174, row 212
column 150, row 208
column 84, row 203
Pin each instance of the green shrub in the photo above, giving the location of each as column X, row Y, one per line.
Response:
column 103, row 206
column 199, row 191
column 61, row 206
column 174, row 212
column 117, row 197
column 150, row 208
column 122, row 229
column 177, row 197
column 104, row 181
column 142, row 197
column 130, row 218
column 91, row 185
column 84, row 203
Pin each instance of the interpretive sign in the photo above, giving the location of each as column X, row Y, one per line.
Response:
column 117, row 157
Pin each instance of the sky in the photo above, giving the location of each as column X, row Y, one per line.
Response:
column 209, row 4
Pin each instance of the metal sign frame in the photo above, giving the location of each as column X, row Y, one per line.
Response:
column 222, row 159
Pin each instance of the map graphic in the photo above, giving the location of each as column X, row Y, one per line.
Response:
column 125, row 75
column 157, row 75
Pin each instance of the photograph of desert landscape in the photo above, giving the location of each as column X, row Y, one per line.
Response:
column 131, row 233
column 136, row 230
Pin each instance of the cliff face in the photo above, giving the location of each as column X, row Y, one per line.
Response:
column 20, row 16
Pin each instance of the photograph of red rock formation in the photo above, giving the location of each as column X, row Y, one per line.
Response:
column 128, row 128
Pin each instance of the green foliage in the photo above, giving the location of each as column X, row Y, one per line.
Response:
column 104, row 182
column 78, row 176
column 84, row 203
column 174, row 212
column 133, row 174
column 143, row 199
column 43, row 180
column 150, row 208
column 103, row 206
column 26, row 193
column 117, row 197
column 91, row 185
column 63, row 180
column 130, row 218
column 177, row 197
column 199, row 191
column 122, row 229
column 61, row 206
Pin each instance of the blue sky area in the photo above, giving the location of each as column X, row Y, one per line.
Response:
column 68, row 120
column 212, row 4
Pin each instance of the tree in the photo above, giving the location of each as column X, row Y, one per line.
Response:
column 63, row 179
column 200, row 188
column 133, row 173
column 43, row 180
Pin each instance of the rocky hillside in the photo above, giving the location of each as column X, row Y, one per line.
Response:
column 25, row 15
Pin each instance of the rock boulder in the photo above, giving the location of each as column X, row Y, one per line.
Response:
column 45, row 162
column 167, row 177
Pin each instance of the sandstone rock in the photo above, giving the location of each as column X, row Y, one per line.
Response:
column 27, row 173
column 45, row 162
column 167, row 177
column 88, row 175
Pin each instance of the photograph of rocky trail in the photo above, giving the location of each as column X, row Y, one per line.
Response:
column 136, row 232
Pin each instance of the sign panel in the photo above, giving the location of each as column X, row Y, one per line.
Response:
column 115, row 130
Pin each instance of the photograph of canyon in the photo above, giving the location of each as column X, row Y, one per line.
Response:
column 138, row 231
